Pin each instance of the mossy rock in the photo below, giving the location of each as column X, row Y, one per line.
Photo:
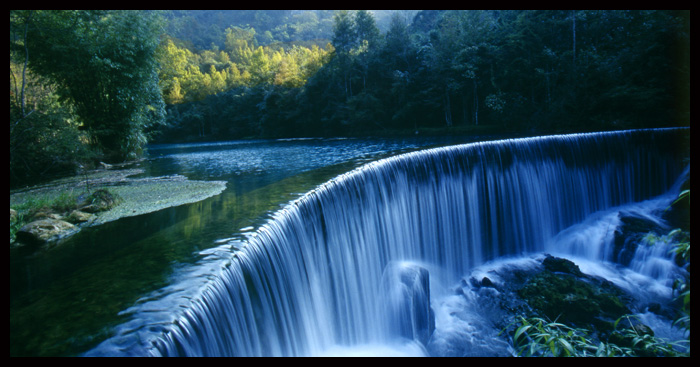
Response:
column 99, row 201
column 569, row 296
column 559, row 265
column 45, row 231
column 77, row 216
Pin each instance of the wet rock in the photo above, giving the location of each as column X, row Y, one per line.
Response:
column 486, row 282
column 559, row 265
column 408, row 308
column 476, row 283
column 561, row 292
column 45, row 231
column 628, row 335
column 630, row 234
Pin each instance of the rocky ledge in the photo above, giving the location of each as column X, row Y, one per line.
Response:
column 104, row 196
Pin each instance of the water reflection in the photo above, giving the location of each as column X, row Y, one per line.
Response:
column 64, row 301
column 252, row 164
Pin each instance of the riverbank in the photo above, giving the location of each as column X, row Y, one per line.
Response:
column 134, row 195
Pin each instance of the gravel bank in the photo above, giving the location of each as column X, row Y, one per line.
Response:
column 136, row 195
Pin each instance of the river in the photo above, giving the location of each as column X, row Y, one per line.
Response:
column 67, row 300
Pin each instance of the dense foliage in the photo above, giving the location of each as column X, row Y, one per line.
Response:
column 100, row 67
column 92, row 85
column 508, row 70
column 186, row 76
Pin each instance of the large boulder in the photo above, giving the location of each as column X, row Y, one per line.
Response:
column 43, row 231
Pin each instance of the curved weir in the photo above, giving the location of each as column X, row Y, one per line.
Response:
column 332, row 270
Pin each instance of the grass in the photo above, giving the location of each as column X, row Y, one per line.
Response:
column 536, row 337
column 61, row 202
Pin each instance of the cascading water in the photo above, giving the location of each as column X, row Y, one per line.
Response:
column 348, row 268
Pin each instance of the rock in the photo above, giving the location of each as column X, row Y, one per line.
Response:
column 642, row 329
column 563, row 293
column 44, row 231
column 559, row 265
column 630, row 331
column 99, row 201
column 408, row 301
column 486, row 282
column 77, row 216
column 44, row 214
column 55, row 216
column 629, row 235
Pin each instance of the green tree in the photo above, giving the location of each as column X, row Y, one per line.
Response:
column 289, row 73
column 398, row 57
column 105, row 63
column 235, row 78
column 173, row 63
column 343, row 43
column 238, row 42
column 520, row 70
column 366, row 30
column 438, row 54
column 367, row 39
column 260, row 68
column 218, row 80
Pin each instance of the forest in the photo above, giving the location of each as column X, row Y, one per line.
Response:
column 90, row 86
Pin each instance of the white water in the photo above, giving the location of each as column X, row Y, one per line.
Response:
column 319, row 278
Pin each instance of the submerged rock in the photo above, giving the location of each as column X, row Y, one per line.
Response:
column 630, row 233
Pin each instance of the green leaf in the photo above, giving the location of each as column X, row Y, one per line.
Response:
column 520, row 331
column 567, row 347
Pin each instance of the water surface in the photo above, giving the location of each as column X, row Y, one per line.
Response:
column 328, row 273
column 66, row 300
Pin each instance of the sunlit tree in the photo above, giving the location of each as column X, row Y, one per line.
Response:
column 104, row 62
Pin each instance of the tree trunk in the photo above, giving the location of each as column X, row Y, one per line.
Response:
column 465, row 110
column 448, row 108
column 24, row 68
column 573, row 15
column 476, row 104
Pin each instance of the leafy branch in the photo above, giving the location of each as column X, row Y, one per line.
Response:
column 536, row 337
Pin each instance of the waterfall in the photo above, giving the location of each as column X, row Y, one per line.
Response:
column 338, row 269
